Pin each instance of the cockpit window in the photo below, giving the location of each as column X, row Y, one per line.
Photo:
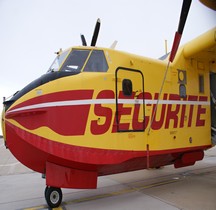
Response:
column 57, row 62
column 75, row 61
column 97, row 62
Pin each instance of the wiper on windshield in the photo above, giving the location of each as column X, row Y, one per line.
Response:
column 75, row 61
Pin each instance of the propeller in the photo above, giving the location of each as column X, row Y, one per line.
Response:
column 84, row 43
column 96, row 32
column 95, row 35
column 183, row 17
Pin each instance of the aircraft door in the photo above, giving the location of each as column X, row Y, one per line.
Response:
column 129, row 100
column 213, row 106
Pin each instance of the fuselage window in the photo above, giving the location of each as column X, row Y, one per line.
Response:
column 58, row 62
column 97, row 62
column 182, row 91
column 127, row 87
column 201, row 83
column 75, row 61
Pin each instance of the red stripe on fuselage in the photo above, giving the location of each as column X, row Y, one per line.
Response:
column 34, row 151
column 57, row 96
column 64, row 120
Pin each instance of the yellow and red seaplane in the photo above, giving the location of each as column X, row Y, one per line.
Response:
column 99, row 111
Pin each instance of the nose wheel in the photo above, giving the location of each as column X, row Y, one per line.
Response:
column 53, row 196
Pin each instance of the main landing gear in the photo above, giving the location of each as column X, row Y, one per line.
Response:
column 53, row 196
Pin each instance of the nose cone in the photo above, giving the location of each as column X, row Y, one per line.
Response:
column 3, row 124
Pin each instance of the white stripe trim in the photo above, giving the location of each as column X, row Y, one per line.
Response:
column 106, row 101
column 177, row 102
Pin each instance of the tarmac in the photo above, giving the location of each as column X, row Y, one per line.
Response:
column 188, row 188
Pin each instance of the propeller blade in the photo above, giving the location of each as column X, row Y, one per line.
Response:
column 96, row 32
column 183, row 17
column 84, row 43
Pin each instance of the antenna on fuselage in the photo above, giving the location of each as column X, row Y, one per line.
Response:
column 183, row 17
column 113, row 46
column 165, row 45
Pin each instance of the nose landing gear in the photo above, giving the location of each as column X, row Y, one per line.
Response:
column 53, row 196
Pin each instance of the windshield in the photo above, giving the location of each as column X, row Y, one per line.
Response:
column 97, row 62
column 75, row 61
column 57, row 62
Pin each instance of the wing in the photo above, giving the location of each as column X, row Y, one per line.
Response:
column 202, row 48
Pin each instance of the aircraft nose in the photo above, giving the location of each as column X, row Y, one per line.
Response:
column 3, row 124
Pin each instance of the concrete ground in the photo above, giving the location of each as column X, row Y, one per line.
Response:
column 189, row 188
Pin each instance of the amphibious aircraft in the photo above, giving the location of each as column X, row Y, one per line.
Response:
column 99, row 111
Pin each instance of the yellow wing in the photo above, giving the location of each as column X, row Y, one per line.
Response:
column 203, row 48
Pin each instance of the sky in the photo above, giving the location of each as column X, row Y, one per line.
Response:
column 33, row 30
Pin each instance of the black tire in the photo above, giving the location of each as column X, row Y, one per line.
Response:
column 45, row 191
column 53, row 196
